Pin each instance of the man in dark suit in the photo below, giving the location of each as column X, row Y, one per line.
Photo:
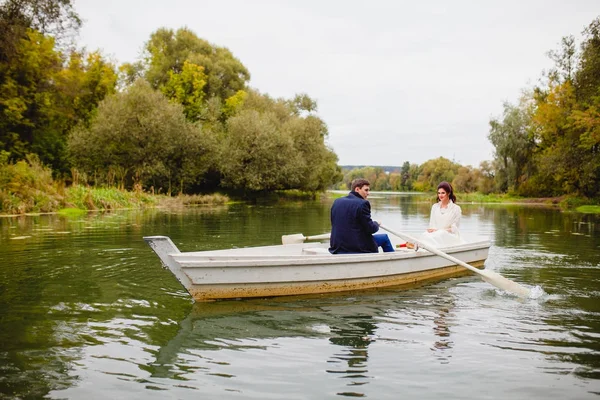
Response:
column 352, row 228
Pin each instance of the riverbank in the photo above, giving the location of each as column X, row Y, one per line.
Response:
column 27, row 187
column 79, row 198
column 567, row 202
column 54, row 198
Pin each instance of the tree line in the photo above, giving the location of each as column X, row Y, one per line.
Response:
column 548, row 143
column 181, row 119
column 425, row 177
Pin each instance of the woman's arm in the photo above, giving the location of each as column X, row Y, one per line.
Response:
column 432, row 223
column 454, row 222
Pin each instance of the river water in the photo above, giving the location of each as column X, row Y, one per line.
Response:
column 87, row 312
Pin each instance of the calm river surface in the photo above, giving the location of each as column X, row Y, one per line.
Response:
column 87, row 312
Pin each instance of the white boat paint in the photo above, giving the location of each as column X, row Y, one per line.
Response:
column 305, row 268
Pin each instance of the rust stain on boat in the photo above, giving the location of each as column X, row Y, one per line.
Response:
column 248, row 290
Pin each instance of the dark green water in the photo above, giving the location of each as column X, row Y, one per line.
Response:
column 87, row 312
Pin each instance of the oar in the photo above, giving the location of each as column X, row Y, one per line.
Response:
column 489, row 276
column 300, row 238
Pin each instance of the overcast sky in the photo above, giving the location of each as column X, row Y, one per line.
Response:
column 394, row 80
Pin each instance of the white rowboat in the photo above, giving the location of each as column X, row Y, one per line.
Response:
column 306, row 268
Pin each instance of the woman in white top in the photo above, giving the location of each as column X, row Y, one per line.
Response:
column 444, row 219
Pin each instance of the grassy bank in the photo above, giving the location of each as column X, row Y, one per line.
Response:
column 28, row 187
column 571, row 203
column 83, row 198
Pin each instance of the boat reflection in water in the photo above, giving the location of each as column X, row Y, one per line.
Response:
column 338, row 330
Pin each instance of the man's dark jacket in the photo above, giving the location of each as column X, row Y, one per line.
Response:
column 352, row 228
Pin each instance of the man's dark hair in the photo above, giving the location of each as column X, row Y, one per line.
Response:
column 359, row 183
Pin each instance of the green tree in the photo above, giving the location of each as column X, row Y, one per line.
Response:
column 434, row 171
column 316, row 164
column 395, row 180
column 29, row 122
column 143, row 138
column 381, row 182
column 556, row 154
column 565, row 61
column 275, row 144
column 587, row 76
column 56, row 18
column 406, row 182
column 167, row 51
column 187, row 88
column 465, row 180
column 485, row 177
column 234, row 103
column 40, row 100
column 85, row 81
column 259, row 155
column 514, row 145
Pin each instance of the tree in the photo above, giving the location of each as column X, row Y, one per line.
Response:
column 434, row 171
column 143, row 138
column 40, row 100
column 587, row 76
column 465, row 180
column 302, row 160
column 85, row 81
column 302, row 102
column 187, row 89
column 484, row 177
column 565, row 61
column 514, row 145
column 406, row 182
column 259, row 155
column 556, row 155
column 26, row 95
column 167, row 52
column 316, row 164
column 56, row 18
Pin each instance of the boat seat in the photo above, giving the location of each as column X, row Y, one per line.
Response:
column 315, row 250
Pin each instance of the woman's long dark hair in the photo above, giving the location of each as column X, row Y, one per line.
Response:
column 448, row 188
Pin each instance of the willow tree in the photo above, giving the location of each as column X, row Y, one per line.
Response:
column 276, row 144
column 259, row 155
column 317, row 164
column 141, row 139
column 514, row 144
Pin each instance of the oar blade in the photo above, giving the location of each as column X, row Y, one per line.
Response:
column 505, row 284
column 293, row 239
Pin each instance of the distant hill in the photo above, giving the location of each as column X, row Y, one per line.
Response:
column 386, row 168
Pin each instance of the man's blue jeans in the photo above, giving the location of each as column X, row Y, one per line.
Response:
column 383, row 241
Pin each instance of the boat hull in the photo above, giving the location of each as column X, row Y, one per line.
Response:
column 299, row 269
